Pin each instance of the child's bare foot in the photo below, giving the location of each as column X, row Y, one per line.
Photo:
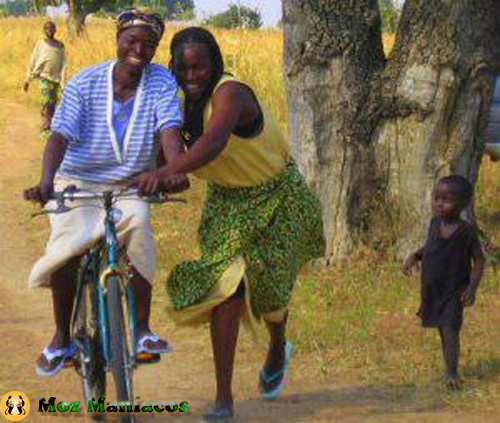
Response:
column 452, row 382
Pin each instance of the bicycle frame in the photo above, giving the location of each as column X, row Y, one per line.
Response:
column 101, row 322
column 113, row 269
column 92, row 306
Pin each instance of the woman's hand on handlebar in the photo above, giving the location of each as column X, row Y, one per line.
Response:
column 152, row 182
column 175, row 183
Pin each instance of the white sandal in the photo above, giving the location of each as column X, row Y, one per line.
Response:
column 57, row 358
column 141, row 346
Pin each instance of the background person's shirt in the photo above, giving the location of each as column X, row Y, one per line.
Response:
column 48, row 62
column 85, row 119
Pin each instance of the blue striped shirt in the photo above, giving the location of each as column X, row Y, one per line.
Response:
column 85, row 119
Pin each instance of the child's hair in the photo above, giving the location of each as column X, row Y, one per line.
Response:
column 193, row 124
column 461, row 185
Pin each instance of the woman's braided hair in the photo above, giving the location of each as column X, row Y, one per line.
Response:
column 193, row 120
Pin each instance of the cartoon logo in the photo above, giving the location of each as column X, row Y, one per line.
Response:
column 15, row 406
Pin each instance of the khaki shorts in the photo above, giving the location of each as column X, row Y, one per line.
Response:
column 74, row 232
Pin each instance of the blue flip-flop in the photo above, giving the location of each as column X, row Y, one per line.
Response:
column 264, row 378
column 55, row 357
column 218, row 414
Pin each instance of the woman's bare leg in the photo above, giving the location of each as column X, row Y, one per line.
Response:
column 224, row 331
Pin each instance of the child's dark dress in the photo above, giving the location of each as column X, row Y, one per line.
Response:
column 446, row 268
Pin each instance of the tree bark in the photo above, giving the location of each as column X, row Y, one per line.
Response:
column 76, row 24
column 78, row 12
column 372, row 135
column 437, row 92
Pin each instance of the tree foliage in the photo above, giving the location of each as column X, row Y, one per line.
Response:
column 15, row 8
column 236, row 17
column 170, row 9
column 38, row 5
column 80, row 9
column 177, row 9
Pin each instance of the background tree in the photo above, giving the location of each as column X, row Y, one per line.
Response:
column 177, row 9
column 235, row 17
column 38, row 5
column 15, row 8
column 373, row 133
column 80, row 9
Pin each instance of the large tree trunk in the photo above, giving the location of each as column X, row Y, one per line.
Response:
column 372, row 136
column 76, row 24
column 78, row 12
column 333, row 50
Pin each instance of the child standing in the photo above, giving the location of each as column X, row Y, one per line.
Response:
column 449, row 282
column 47, row 65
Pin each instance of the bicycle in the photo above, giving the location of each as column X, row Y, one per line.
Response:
column 103, row 334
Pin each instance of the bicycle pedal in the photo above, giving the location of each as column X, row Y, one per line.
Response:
column 147, row 358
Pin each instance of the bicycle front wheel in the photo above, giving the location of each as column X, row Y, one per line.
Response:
column 121, row 358
column 90, row 361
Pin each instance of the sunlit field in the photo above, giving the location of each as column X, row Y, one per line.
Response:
column 254, row 56
column 355, row 321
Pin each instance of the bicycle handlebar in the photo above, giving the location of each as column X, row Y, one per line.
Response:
column 72, row 193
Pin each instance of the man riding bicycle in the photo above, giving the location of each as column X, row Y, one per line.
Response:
column 106, row 131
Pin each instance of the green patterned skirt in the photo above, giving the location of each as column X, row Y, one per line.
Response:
column 276, row 228
column 49, row 92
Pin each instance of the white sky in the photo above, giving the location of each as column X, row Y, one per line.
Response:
column 270, row 10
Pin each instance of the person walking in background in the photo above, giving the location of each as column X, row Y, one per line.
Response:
column 47, row 65
column 449, row 282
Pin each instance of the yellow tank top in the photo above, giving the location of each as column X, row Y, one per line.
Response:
column 247, row 162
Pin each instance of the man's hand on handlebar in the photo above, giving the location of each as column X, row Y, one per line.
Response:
column 39, row 193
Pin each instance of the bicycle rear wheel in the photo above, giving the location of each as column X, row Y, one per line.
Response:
column 121, row 357
column 90, row 361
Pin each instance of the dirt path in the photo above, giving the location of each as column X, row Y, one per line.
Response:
column 187, row 374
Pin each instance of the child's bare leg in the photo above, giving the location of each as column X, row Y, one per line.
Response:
column 63, row 285
column 450, row 342
column 48, row 111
